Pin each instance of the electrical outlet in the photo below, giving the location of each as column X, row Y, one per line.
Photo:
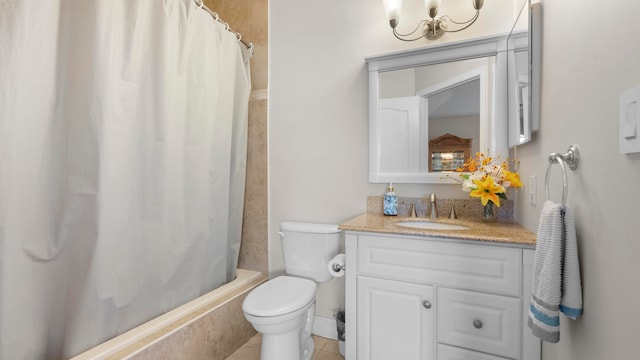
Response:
column 533, row 194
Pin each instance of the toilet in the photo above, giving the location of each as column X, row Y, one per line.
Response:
column 283, row 309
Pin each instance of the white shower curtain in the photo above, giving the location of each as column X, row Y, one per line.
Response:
column 122, row 166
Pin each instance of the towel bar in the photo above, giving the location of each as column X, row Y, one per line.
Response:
column 571, row 158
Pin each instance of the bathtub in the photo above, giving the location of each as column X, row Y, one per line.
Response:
column 209, row 327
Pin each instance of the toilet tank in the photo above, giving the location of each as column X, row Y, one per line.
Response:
column 307, row 249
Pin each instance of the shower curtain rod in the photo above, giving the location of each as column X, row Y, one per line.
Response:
column 216, row 17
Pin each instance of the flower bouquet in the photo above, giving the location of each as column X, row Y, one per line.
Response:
column 482, row 178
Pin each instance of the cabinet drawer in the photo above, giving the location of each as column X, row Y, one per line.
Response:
column 453, row 353
column 475, row 267
column 483, row 322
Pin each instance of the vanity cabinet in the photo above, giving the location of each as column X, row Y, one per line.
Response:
column 425, row 298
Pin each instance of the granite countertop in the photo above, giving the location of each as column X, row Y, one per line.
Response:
column 501, row 231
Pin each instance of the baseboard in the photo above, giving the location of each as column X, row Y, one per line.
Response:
column 325, row 327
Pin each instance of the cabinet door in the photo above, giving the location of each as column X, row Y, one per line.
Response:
column 395, row 320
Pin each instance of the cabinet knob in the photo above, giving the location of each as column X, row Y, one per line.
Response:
column 426, row 304
column 477, row 324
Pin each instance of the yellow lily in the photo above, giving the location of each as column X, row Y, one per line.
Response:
column 512, row 178
column 487, row 190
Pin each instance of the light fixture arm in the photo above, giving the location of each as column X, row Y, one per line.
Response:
column 466, row 23
column 399, row 36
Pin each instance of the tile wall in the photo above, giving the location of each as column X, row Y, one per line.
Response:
column 250, row 18
column 464, row 208
column 213, row 337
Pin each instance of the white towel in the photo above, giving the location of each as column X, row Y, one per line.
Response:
column 556, row 282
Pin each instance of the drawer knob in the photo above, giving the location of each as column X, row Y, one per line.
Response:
column 477, row 324
column 426, row 304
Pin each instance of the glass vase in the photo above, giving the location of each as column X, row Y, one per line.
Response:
column 488, row 213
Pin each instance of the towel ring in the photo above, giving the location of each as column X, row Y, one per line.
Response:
column 565, row 185
column 571, row 158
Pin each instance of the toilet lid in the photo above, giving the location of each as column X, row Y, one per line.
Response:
column 279, row 296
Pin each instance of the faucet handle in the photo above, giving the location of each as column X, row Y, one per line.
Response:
column 434, row 208
column 452, row 214
column 412, row 211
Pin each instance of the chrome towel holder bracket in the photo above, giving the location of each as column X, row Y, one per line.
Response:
column 571, row 158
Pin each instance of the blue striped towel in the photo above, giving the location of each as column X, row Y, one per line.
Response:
column 556, row 285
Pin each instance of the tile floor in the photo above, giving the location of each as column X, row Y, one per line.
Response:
column 325, row 349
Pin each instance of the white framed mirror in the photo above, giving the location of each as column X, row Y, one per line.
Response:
column 455, row 90
column 523, row 74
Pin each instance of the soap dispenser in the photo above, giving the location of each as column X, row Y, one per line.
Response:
column 390, row 202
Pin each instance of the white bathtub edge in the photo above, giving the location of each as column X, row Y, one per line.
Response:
column 121, row 342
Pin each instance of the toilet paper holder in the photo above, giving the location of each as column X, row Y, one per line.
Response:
column 337, row 267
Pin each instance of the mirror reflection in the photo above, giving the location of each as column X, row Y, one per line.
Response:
column 431, row 118
column 523, row 75
column 519, row 97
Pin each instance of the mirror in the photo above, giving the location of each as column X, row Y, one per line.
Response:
column 421, row 104
column 431, row 108
column 523, row 75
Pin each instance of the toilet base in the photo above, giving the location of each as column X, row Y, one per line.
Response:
column 307, row 350
column 289, row 338
column 282, row 347
column 286, row 347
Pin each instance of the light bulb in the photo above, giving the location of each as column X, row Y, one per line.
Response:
column 432, row 3
column 432, row 7
column 393, row 8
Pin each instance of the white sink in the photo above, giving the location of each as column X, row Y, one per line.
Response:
column 431, row 225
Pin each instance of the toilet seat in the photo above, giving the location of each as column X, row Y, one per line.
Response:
column 279, row 296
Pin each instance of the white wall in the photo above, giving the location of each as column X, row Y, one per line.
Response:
column 318, row 121
column 397, row 83
column 584, row 69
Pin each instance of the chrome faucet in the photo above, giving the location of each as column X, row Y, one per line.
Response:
column 434, row 209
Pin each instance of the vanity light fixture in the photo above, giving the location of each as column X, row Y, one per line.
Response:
column 433, row 27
